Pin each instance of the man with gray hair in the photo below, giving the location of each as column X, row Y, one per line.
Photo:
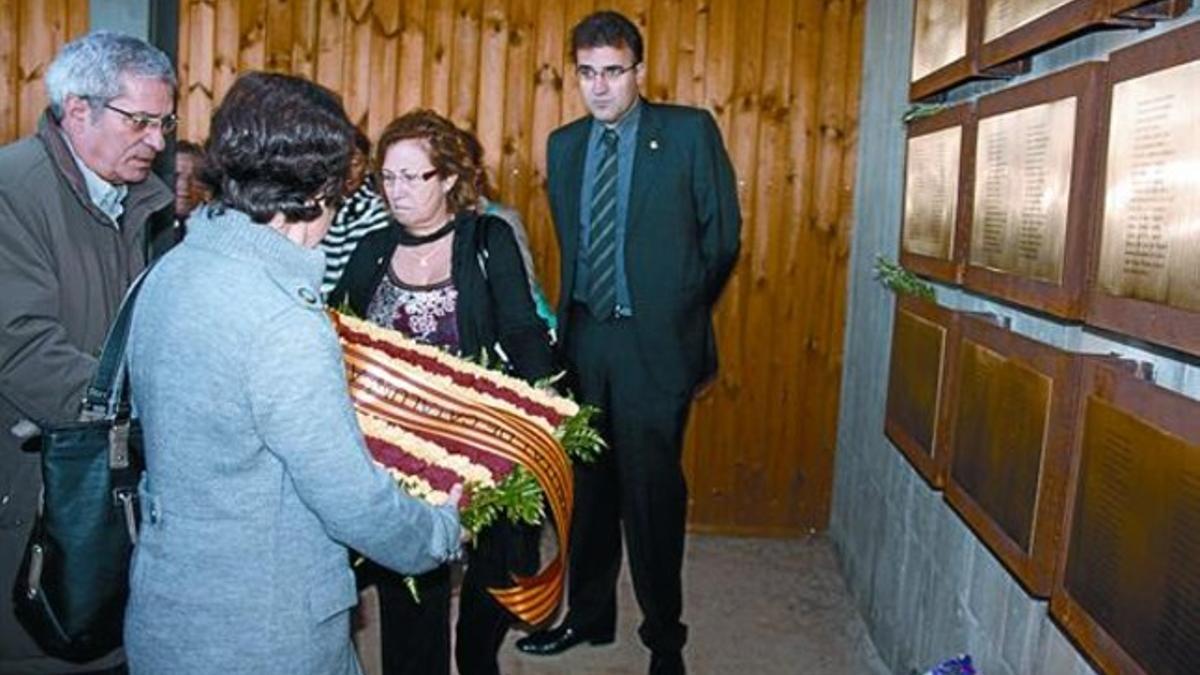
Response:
column 74, row 201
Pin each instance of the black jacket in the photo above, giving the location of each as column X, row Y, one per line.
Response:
column 681, row 242
column 494, row 305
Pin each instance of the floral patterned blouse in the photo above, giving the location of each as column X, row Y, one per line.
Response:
column 427, row 314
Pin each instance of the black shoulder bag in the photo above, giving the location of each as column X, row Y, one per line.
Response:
column 74, row 579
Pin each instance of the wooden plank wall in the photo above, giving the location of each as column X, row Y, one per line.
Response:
column 782, row 78
column 31, row 32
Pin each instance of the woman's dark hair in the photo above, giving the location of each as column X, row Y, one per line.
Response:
column 361, row 142
column 606, row 29
column 450, row 152
column 483, row 186
column 278, row 144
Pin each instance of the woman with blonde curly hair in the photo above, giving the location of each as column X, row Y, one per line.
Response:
column 446, row 274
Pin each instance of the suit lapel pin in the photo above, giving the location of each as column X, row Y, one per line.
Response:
column 653, row 144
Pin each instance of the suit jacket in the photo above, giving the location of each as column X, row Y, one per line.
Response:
column 682, row 235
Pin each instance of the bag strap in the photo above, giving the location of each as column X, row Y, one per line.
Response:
column 106, row 391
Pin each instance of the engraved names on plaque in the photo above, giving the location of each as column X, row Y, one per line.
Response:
column 939, row 35
column 1135, row 538
column 931, row 193
column 1022, row 182
column 1150, row 245
column 1004, row 16
column 999, row 437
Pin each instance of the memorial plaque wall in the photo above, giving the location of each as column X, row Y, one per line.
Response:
column 1128, row 588
column 1148, row 272
column 1012, row 431
column 931, row 236
column 1012, row 28
column 923, row 345
column 1030, row 223
column 945, row 34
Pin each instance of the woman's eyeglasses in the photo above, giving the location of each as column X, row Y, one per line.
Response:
column 407, row 178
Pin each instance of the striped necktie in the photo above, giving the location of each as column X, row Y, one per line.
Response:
column 602, row 248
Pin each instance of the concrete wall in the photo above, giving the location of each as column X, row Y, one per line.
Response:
column 926, row 586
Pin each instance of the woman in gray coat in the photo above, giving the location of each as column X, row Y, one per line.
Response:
column 257, row 476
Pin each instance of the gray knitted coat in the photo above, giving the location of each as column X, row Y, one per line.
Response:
column 257, row 475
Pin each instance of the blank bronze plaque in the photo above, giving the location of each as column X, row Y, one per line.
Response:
column 939, row 35
column 1150, row 246
column 1000, row 432
column 1004, row 16
column 1133, row 564
column 915, row 381
column 1023, row 162
column 931, row 193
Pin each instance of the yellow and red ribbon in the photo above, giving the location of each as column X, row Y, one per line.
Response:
column 458, row 405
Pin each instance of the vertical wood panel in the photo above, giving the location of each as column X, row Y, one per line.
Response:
column 199, row 91
column 514, row 166
column 383, row 66
column 464, row 67
column 252, row 40
column 9, row 62
column 305, row 45
column 280, row 36
column 493, row 68
column 410, row 82
column 225, row 67
column 356, row 71
column 40, row 25
column 440, row 36
column 330, row 27
column 548, row 93
column 780, row 76
column 661, row 38
column 31, row 33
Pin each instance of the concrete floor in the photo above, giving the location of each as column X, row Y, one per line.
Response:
column 753, row 607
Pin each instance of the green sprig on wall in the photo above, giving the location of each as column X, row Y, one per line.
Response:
column 900, row 280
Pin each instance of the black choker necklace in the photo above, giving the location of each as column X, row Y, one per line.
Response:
column 409, row 239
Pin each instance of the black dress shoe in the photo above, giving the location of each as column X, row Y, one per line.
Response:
column 667, row 663
column 558, row 640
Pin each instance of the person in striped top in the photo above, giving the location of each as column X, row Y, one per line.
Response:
column 363, row 212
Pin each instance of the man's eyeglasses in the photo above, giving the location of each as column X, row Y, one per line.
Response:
column 142, row 121
column 607, row 73
column 407, row 178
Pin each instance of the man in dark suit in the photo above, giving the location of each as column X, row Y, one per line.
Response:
column 645, row 205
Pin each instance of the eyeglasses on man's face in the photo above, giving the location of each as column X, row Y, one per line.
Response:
column 589, row 74
column 405, row 177
column 142, row 121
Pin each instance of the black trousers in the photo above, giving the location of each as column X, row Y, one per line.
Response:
column 637, row 484
column 415, row 635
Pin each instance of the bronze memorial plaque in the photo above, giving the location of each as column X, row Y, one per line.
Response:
column 939, row 35
column 1133, row 562
column 1000, row 433
column 1004, row 16
column 1150, row 244
column 1022, row 182
column 931, row 193
column 915, row 385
